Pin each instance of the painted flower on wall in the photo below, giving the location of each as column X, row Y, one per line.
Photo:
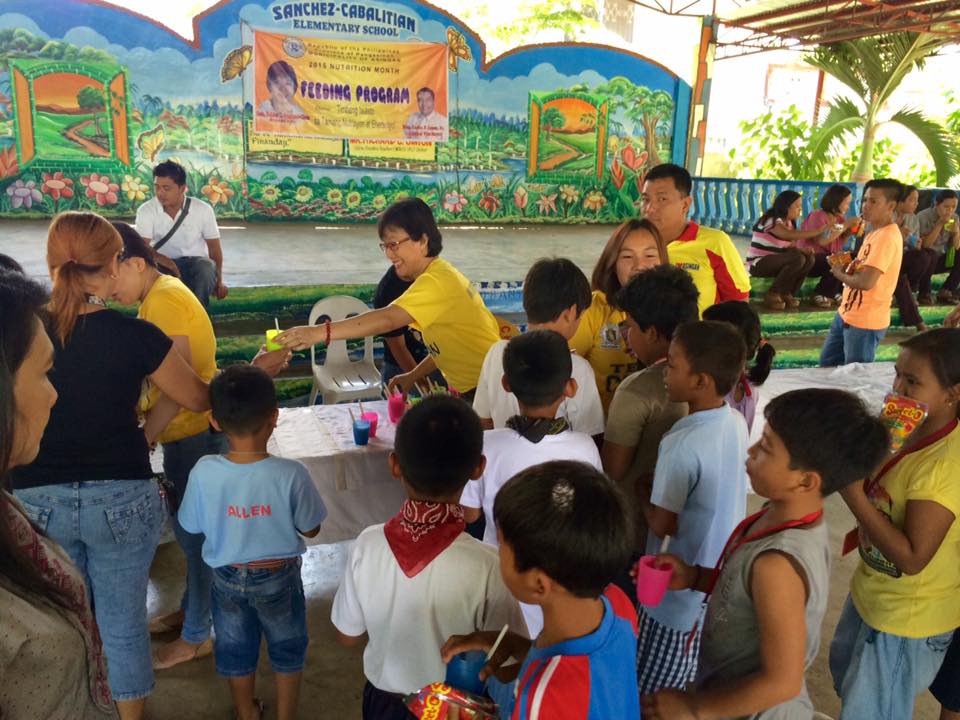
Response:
column 24, row 194
column 454, row 202
column 497, row 181
column 217, row 191
column 569, row 194
column 547, row 204
column 8, row 162
column 353, row 199
column 304, row 194
column 402, row 195
column 57, row 186
column 489, row 202
column 100, row 189
column 594, row 200
column 269, row 194
column 134, row 188
column 521, row 197
column 334, row 196
column 616, row 174
column 379, row 202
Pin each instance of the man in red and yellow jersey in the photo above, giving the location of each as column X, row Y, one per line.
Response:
column 706, row 253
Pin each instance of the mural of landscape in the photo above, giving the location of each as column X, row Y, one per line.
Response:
column 92, row 97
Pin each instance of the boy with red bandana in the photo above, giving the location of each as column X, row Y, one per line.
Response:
column 412, row 583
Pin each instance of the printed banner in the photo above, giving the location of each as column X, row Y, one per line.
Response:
column 393, row 149
column 313, row 87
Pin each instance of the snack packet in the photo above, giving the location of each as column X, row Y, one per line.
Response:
column 439, row 701
column 841, row 259
column 902, row 416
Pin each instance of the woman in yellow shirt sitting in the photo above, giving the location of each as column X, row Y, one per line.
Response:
column 635, row 246
column 441, row 304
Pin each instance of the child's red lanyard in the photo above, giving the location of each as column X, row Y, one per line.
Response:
column 852, row 540
column 739, row 538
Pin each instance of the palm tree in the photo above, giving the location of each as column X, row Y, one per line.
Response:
column 873, row 68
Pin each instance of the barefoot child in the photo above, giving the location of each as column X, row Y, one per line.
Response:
column 564, row 536
column 252, row 508
column 904, row 598
column 768, row 596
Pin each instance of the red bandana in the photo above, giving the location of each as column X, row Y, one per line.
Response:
column 421, row 531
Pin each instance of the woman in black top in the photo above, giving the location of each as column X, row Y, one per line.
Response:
column 91, row 486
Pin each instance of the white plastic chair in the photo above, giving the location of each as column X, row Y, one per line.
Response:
column 340, row 379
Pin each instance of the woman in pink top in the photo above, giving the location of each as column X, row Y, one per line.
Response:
column 774, row 251
column 834, row 204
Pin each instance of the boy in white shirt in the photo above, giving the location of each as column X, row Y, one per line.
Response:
column 412, row 583
column 537, row 367
column 555, row 294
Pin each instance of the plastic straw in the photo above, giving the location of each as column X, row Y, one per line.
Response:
column 419, row 390
column 664, row 544
column 276, row 324
column 361, row 407
column 350, row 410
column 500, row 637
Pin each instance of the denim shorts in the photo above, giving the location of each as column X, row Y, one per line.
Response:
column 248, row 603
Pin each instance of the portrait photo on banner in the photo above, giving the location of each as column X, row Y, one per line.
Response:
column 312, row 87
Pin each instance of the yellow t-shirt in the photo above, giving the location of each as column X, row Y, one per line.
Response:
column 870, row 309
column 174, row 309
column 713, row 262
column 927, row 603
column 598, row 340
column 455, row 325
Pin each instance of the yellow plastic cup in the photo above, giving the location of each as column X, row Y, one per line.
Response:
column 271, row 334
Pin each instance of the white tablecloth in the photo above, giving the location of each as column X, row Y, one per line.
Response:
column 354, row 481
column 869, row 382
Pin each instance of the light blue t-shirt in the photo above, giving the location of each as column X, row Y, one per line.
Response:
column 250, row 511
column 701, row 475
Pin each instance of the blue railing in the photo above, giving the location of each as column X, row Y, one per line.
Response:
column 734, row 205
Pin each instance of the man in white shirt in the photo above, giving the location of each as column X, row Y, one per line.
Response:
column 427, row 124
column 555, row 294
column 194, row 245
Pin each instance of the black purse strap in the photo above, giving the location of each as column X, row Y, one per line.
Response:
column 176, row 226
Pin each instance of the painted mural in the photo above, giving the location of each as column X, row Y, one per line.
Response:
column 91, row 97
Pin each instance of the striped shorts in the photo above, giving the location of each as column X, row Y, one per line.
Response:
column 664, row 659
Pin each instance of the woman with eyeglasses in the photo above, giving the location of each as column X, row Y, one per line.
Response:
column 441, row 304
column 91, row 487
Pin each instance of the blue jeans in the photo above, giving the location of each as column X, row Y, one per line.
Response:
column 200, row 275
column 847, row 344
column 248, row 603
column 178, row 460
column 878, row 675
column 110, row 529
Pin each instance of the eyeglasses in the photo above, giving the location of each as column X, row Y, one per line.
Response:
column 392, row 245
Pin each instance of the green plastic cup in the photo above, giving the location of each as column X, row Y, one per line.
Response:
column 271, row 334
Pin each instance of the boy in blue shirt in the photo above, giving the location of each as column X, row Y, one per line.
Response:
column 699, row 492
column 564, row 536
column 252, row 508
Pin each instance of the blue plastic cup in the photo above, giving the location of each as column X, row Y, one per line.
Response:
column 361, row 432
column 463, row 671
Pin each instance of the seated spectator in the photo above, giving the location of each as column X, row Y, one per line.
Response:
column 774, row 252
column 939, row 230
column 555, row 294
column 915, row 262
column 834, row 204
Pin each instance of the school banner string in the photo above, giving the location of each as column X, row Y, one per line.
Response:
column 312, row 87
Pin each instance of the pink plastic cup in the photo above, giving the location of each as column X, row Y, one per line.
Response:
column 372, row 418
column 396, row 407
column 652, row 580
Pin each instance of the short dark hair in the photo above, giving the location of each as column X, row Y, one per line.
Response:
column 439, row 443
column 172, row 170
column 413, row 216
column 281, row 68
column 551, row 286
column 892, row 189
column 944, row 195
column 663, row 297
column 569, row 520
column 242, row 398
column 427, row 90
column 829, row 432
column 134, row 245
column 537, row 365
column 680, row 176
column 907, row 190
column 746, row 320
column 715, row 349
column 8, row 263
column 941, row 347
column 833, row 196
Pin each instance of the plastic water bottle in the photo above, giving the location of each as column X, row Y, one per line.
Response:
column 951, row 257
